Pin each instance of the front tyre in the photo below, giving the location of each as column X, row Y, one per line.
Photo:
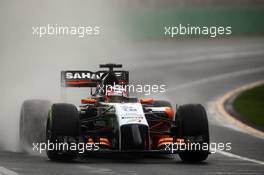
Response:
column 62, row 128
column 194, row 125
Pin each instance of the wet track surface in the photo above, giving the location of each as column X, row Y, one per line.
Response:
column 195, row 71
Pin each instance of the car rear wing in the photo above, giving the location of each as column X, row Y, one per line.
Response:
column 80, row 78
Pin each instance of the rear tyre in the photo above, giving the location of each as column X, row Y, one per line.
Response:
column 193, row 124
column 33, row 117
column 62, row 127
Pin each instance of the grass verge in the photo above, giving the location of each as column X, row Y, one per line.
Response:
column 250, row 105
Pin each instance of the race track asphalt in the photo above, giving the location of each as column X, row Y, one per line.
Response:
column 195, row 71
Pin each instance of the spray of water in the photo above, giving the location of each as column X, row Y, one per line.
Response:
column 30, row 66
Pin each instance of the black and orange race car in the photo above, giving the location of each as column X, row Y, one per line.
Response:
column 112, row 121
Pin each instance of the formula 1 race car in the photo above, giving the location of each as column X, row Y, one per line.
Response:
column 112, row 121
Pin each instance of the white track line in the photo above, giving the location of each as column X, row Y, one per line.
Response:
column 195, row 58
column 218, row 77
column 222, row 56
column 228, row 154
column 5, row 171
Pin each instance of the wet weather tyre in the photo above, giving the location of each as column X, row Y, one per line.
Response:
column 193, row 124
column 33, row 117
column 62, row 123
